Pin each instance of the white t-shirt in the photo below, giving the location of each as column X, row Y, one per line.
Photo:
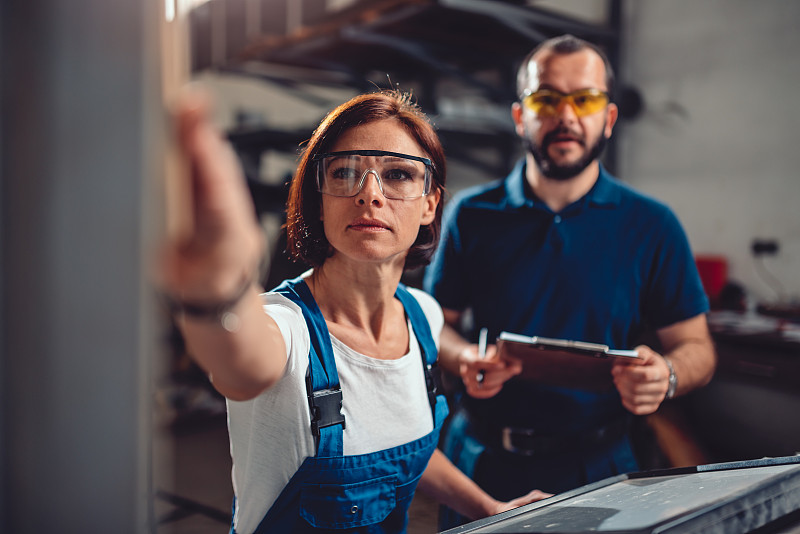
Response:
column 385, row 404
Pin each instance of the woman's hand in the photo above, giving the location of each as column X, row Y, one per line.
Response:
column 533, row 496
column 214, row 263
column 222, row 248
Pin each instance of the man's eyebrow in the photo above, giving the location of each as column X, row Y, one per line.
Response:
column 548, row 87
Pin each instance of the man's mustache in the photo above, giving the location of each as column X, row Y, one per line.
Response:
column 550, row 137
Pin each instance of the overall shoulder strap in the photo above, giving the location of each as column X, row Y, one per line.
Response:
column 322, row 379
column 422, row 329
column 297, row 291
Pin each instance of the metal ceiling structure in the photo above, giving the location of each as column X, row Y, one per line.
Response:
column 419, row 40
column 442, row 50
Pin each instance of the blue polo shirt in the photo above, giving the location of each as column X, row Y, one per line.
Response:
column 604, row 269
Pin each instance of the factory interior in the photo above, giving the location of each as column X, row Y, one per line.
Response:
column 108, row 425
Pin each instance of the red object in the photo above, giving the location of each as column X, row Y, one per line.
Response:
column 713, row 273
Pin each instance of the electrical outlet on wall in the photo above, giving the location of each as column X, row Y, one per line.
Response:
column 764, row 247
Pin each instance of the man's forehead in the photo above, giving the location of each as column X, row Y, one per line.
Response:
column 584, row 67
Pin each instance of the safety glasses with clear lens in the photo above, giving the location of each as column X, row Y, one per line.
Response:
column 547, row 102
column 400, row 176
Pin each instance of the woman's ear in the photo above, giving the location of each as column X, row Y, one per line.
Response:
column 431, row 202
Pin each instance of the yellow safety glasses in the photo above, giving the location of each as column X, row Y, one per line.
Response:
column 547, row 102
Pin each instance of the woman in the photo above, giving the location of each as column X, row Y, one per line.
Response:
column 333, row 416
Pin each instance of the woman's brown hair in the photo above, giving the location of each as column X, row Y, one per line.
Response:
column 306, row 239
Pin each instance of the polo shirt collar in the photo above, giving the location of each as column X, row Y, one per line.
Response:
column 516, row 185
column 605, row 192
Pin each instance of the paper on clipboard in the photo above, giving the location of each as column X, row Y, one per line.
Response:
column 562, row 362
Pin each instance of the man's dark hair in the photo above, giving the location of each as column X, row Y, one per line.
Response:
column 563, row 45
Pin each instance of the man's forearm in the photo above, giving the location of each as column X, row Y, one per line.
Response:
column 694, row 361
column 451, row 344
column 689, row 347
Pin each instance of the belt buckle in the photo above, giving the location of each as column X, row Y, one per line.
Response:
column 508, row 434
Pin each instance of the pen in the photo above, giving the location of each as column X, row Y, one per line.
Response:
column 482, row 351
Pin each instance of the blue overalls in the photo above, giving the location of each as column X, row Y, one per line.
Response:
column 365, row 493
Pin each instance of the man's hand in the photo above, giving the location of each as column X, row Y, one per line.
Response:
column 642, row 383
column 495, row 372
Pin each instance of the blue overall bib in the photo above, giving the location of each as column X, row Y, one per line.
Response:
column 365, row 493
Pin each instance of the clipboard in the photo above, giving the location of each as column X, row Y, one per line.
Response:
column 563, row 362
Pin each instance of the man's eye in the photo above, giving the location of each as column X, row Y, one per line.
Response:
column 551, row 101
column 581, row 100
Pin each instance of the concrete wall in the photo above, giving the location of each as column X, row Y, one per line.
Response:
column 81, row 129
column 718, row 136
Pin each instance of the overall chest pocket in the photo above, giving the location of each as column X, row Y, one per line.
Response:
column 348, row 505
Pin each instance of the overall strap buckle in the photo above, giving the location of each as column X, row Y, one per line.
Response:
column 326, row 408
column 433, row 383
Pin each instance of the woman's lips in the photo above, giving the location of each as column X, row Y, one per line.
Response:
column 368, row 225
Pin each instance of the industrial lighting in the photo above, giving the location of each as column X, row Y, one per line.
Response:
column 173, row 7
column 169, row 10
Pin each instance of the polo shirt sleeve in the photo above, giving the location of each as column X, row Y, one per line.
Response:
column 675, row 292
column 444, row 277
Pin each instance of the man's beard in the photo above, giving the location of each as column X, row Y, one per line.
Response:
column 563, row 172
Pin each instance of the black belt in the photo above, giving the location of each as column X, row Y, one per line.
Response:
column 528, row 442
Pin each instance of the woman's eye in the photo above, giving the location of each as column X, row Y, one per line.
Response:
column 398, row 175
column 343, row 173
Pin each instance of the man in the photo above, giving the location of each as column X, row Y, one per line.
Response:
column 562, row 249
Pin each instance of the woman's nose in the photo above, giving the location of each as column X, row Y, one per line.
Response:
column 371, row 187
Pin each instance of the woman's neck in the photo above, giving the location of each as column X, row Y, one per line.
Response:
column 359, row 296
column 360, row 309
